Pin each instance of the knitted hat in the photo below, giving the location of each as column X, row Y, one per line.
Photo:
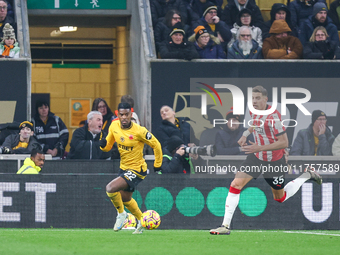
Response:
column 316, row 114
column 279, row 26
column 177, row 28
column 26, row 124
column 174, row 142
column 200, row 30
column 207, row 7
column 230, row 115
column 318, row 7
column 8, row 32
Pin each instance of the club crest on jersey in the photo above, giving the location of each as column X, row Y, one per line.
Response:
column 130, row 137
column 122, row 139
column 148, row 136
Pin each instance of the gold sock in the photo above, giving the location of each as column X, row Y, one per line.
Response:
column 132, row 206
column 116, row 199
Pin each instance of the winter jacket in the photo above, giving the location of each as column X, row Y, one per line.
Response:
column 226, row 141
column 213, row 50
column 167, row 129
column 256, row 34
column 336, row 146
column 300, row 12
column 334, row 12
column 313, row 51
column 236, row 53
column 304, row 143
column 85, row 146
column 196, row 9
column 51, row 135
column 175, row 163
column 231, row 11
column 307, row 28
column 185, row 50
column 160, row 7
column 13, row 53
column 12, row 141
column 221, row 27
column 265, row 27
column 29, row 167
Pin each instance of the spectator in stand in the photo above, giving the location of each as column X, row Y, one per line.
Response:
column 333, row 13
column 281, row 45
column 213, row 24
column 316, row 140
column 163, row 29
column 336, row 146
column 50, row 130
column 8, row 46
column 300, row 11
column 174, row 126
column 99, row 104
column 278, row 11
column 160, row 7
column 233, row 8
column 226, row 139
column 85, row 140
column 319, row 47
column 319, row 18
column 244, row 47
column 4, row 18
column 22, row 143
column 178, row 47
column 244, row 19
column 196, row 8
column 207, row 45
column 33, row 164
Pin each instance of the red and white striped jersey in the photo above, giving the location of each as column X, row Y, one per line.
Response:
column 266, row 130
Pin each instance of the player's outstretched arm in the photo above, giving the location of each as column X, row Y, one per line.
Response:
column 110, row 140
column 281, row 143
column 152, row 141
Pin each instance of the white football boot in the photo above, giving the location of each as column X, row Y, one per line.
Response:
column 120, row 220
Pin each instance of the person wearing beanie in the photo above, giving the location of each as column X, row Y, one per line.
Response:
column 4, row 17
column 278, row 11
column 175, row 160
column 8, row 46
column 315, row 140
column 245, row 19
column 226, row 139
column 207, row 45
column 244, row 47
column 318, row 18
column 300, row 11
column 281, row 45
column 24, row 142
column 214, row 25
column 320, row 47
column 177, row 47
column 233, row 8
column 196, row 8
column 50, row 131
column 33, row 164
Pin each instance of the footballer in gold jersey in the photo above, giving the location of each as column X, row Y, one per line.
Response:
column 130, row 138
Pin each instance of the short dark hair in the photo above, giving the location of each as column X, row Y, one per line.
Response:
column 127, row 99
column 124, row 106
column 39, row 103
column 35, row 151
column 260, row 89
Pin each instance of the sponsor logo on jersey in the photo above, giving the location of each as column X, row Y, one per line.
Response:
column 126, row 148
column 148, row 136
column 122, row 139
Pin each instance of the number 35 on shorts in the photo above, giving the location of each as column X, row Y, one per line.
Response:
column 278, row 180
column 130, row 175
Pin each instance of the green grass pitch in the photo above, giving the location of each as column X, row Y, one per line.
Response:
column 99, row 241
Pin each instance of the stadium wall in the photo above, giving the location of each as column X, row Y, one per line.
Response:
column 74, row 197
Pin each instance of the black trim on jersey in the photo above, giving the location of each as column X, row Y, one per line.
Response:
column 281, row 133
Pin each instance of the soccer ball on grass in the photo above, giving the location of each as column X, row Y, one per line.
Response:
column 151, row 219
column 130, row 222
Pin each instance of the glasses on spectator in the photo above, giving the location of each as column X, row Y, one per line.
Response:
column 245, row 16
column 320, row 35
column 245, row 36
column 323, row 119
column 176, row 18
column 3, row 7
column 101, row 106
column 204, row 36
column 212, row 12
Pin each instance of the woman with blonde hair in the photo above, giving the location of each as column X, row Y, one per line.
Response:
column 320, row 47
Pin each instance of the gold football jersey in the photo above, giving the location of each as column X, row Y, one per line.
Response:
column 130, row 144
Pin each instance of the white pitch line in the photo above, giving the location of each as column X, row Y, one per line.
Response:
column 311, row 233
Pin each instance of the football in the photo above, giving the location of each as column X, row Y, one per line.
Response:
column 130, row 222
column 151, row 219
